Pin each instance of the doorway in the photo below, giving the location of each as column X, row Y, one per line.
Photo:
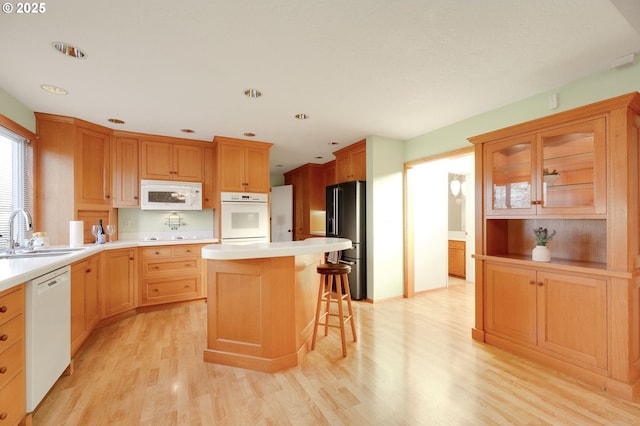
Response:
column 439, row 214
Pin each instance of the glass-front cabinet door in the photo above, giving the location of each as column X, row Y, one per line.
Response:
column 557, row 172
column 572, row 173
column 509, row 186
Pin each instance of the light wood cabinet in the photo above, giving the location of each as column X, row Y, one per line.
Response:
column 92, row 167
column 209, row 198
column 74, row 169
column 170, row 274
column 84, row 300
column 13, row 394
column 351, row 162
column 557, row 171
column 170, row 161
column 308, row 199
column 330, row 173
column 241, row 166
column 457, row 258
column 118, row 282
column 562, row 314
column 126, row 180
column 575, row 172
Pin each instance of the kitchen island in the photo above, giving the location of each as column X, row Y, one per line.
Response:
column 261, row 301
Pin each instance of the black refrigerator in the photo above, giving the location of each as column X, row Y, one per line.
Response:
column 346, row 218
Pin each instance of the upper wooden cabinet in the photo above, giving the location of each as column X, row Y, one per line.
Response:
column 241, row 166
column 209, row 197
column 330, row 173
column 557, row 171
column 351, row 162
column 73, row 160
column 126, row 181
column 575, row 172
column 308, row 199
column 170, row 161
column 92, row 167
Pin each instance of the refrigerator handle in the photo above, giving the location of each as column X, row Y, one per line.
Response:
column 336, row 209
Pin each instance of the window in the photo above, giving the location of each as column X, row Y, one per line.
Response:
column 16, row 184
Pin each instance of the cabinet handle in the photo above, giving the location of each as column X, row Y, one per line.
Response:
column 155, row 290
column 156, row 268
column 135, row 198
column 532, row 282
column 536, row 202
column 3, row 415
column 540, row 283
column 107, row 196
column 3, row 370
column 4, row 337
column 3, row 309
column 131, row 258
column 88, row 270
column 156, row 252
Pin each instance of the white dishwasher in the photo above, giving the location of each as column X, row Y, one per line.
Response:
column 48, row 332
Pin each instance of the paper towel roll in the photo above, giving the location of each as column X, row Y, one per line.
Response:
column 76, row 233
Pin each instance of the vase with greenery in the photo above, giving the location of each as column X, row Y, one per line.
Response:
column 541, row 252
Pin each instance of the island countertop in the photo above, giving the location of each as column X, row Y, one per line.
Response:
column 279, row 249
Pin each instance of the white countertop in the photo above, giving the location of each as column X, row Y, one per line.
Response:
column 281, row 249
column 17, row 271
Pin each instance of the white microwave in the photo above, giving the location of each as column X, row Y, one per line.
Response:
column 170, row 195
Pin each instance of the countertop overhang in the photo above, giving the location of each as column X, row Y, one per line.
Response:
column 279, row 249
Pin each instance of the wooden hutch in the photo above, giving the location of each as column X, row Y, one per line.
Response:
column 575, row 172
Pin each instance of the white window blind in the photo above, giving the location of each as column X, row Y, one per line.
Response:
column 16, row 184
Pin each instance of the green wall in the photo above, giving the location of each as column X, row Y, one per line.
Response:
column 595, row 88
column 11, row 108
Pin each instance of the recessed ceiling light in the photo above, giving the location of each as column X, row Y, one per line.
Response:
column 53, row 89
column 302, row 116
column 253, row 93
column 115, row 121
column 319, row 157
column 187, row 131
column 334, row 143
column 249, row 134
column 279, row 165
column 68, row 49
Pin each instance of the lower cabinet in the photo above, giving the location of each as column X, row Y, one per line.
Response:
column 457, row 258
column 118, row 282
column 561, row 314
column 170, row 274
column 13, row 393
column 84, row 300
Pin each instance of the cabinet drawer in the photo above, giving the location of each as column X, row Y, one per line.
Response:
column 11, row 305
column 13, row 401
column 11, row 362
column 151, row 252
column 170, row 266
column 10, row 333
column 184, row 251
column 169, row 290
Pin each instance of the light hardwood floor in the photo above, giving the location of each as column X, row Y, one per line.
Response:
column 414, row 364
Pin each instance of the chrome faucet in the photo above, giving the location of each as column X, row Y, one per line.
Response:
column 28, row 222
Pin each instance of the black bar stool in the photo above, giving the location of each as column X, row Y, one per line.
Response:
column 329, row 283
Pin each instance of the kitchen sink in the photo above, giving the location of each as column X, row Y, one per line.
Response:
column 43, row 252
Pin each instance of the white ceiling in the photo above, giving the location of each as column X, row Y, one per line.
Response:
column 394, row 68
